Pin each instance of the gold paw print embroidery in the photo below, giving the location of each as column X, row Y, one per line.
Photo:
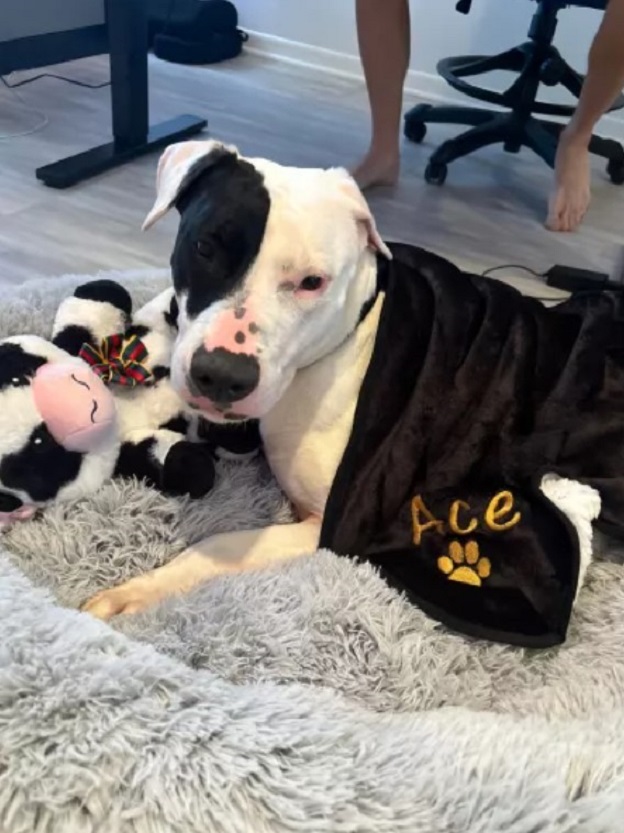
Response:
column 465, row 564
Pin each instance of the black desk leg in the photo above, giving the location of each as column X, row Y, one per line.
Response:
column 132, row 136
column 127, row 38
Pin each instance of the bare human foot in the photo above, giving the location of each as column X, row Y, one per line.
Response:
column 569, row 200
column 377, row 168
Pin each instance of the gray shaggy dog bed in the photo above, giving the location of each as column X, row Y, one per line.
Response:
column 306, row 698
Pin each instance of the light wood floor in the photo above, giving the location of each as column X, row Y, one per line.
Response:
column 490, row 210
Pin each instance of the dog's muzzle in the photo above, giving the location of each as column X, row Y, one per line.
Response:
column 221, row 376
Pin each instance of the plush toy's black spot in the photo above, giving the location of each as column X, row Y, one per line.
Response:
column 253, row 328
column 136, row 460
column 160, row 372
column 17, row 367
column 224, row 205
column 239, row 312
column 240, row 337
column 241, row 438
column 108, row 292
column 171, row 317
column 138, row 330
column 179, row 424
column 189, row 470
column 72, row 338
column 41, row 468
column 9, row 503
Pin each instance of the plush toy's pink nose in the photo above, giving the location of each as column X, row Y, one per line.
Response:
column 21, row 514
column 77, row 408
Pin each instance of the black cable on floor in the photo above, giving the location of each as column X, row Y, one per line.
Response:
column 535, row 274
column 57, row 77
column 528, row 269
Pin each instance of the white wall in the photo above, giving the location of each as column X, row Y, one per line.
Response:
column 26, row 18
column 437, row 31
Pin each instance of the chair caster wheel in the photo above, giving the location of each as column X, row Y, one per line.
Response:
column 615, row 171
column 435, row 173
column 550, row 73
column 415, row 131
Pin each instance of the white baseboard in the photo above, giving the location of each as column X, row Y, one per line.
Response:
column 422, row 84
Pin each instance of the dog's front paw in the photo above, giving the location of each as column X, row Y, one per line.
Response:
column 133, row 596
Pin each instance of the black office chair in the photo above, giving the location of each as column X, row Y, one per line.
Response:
column 537, row 62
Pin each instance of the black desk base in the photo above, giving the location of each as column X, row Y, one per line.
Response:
column 74, row 169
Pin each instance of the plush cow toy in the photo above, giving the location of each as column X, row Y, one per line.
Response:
column 96, row 402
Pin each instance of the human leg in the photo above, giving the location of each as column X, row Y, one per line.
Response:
column 384, row 39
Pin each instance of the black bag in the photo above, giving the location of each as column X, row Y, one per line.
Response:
column 195, row 31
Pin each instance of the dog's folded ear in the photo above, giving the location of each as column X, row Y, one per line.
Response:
column 179, row 166
column 348, row 190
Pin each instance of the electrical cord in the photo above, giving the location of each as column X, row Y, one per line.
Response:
column 528, row 269
column 43, row 119
column 57, row 77
column 489, row 271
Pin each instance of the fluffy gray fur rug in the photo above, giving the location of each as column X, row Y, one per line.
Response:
column 308, row 698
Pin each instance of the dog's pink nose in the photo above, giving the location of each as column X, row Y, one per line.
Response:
column 235, row 330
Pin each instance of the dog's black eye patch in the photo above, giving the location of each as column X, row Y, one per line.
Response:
column 9, row 503
column 217, row 158
column 17, row 367
column 224, row 211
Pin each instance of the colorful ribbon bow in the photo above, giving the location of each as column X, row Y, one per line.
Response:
column 118, row 360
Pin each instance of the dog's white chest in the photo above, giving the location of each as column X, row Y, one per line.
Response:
column 306, row 433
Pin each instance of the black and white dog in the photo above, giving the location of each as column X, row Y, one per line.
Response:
column 272, row 267
column 279, row 278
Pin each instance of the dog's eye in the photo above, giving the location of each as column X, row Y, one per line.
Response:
column 204, row 248
column 311, row 283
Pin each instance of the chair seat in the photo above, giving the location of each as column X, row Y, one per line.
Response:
column 553, row 70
